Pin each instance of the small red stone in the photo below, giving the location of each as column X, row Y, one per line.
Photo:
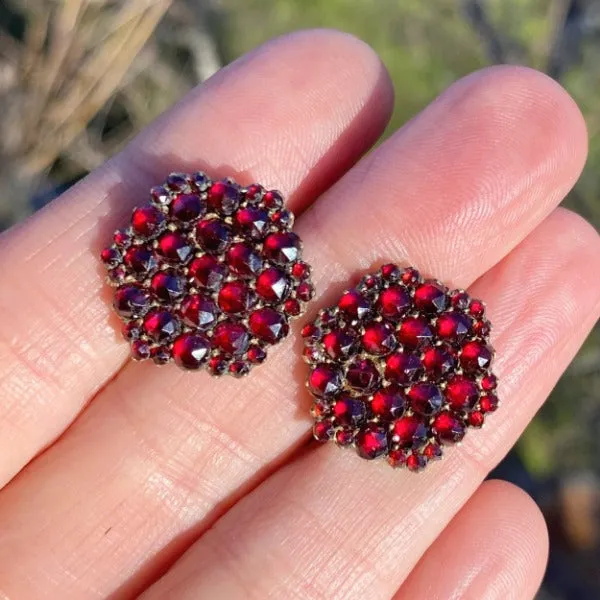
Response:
column 475, row 357
column 390, row 272
column 323, row 430
column 300, row 270
column 122, row 238
column 481, row 328
column 273, row 285
column 282, row 248
column 283, row 219
column 319, row 410
column 425, row 398
column 409, row 431
column 477, row 308
column 292, row 307
column 199, row 311
column 305, row 291
column 223, row 197
column 131, row 301
column 438, row 362
column 371, row 441
column 213, row 235
column 489, row 382
column 362, row 375
column 410, row 276
column 273, row 199
column 448, row 428
column 187, row 207
column 243, row 260
column 147, row 221
column 432, row 451
column 378, row 338
column 231, row 337
column 354, row 305
column 130, row 331
column 460, row 299
column 190, row 351
column 167, row 286
column 462, row 393
column 324, row 381
column 310, row 331
column 140, row 261
column 388, row 403
column 140, row 350
column 403, row 367
column 239, row 368
column 174, row 247
column 416, row 462
column 476, row 419
column 177, row 182
column 252, row 222
column 339, row 343
column 217, row 365
column 161, row 325
column 161, row 355
column 488, row 403
column 344, row 437
column 254, row 193
column 453, row 326
column 208, row 272
column 393, row 302
column 256, row 355
column 397, row 458
column 159, row 195
column 110, row 257
column 415, row 333
column 349, row 411
column 431, row 297
column 268, row 325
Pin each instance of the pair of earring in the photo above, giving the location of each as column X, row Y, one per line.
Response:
column 208, row 275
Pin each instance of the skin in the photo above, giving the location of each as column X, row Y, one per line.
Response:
column 123, row 479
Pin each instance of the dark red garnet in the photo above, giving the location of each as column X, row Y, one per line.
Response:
column 388, row 403
column 161, row 325
column 371, row 441
column 339, row 343
column 462, row 393
column 224, row 197
column 415, row 333
column 243, row 260
column 378, row 338
column 425, row 398
column 252, row 222
column 453, row 326
column 282, row 248
column 324, row 381
column 174, row 247
column 431, row 297
column 349, row 411
column 354, row 305
column 273, row 285
column 438, row 362
column 362, row 375
column 268, row 325
column 191, row 351
column 167, row 286
column 199, row 311
column 234, row 297
column 475, row 357
column 393, row 302
column 448, row 428
column 187, row 207
column 131, row 301
column 232, row 338
column 409, row 431
column 146, row 221
column 403, row 367
column 208, row 272
column 213, row 235
column 141, row 261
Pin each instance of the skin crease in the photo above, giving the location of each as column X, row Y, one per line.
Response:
column 160, row 455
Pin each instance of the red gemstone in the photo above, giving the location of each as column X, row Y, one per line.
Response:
column 362, row 375
column 131, row 331
column 217, row 365
column 256, row 355
column 174, row 247
column 476, row 419
column 416, row 462
column 223, row 197
column 344, row 437
column 462, row 393
column 425, row 398
column 140, row 350
column 319, row 410
column 410, row 276
column 378, row 338
column 254, row 193
column 159, row 195
column 432, row 451
column 208, row 272
column 371, row 441
column 477, row 308
column 273, row 199
column 161, row 355
column 292, row 307
column 390, row 272
column 239, row 368
column 431, row 297
column 190, row 350
column 187, row 207
column 268, row 325
column 403, row 367
column 488, row 403
column 177, row 181
column 161, row 325
column 305, row 291
column 147, row 221
column 448, row 428
column 235, row 297
column 475, row 356
column 122, row 238
column 213, row 235
column 453, row 326
column 415, row 333
column 231, row 337
column 273, row 285
column 167, row 286
column 301, row 270
column 199, row 311
column 481, row 328
column 339, row 343
column 243, row 260
column 282, row 248
column 409, row 431
column 110, row 257
column 438, row 362
column 131, row 301
column 324, row 381
column 283, row 219
column 141, row 261
column 323, row 430
column 354, row 305
column 489, row 382
column 397, row 458
column 393, row 302
column 349, row 411
column 460, row 299
column 388, row 403
column 252, row 222
column 310, row 330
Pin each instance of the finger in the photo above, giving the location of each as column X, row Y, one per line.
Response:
column 331, row 521
column 183, row 448
column 293, row 115
column 495, row 548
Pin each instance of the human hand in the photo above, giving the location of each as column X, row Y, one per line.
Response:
column 112, row 470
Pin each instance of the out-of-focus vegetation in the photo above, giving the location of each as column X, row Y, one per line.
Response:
column 76, row 83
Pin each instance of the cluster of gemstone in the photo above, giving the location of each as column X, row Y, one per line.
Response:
column 400, row 367
column 208, row 274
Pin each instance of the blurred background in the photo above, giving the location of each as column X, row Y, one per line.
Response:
column 78, row 78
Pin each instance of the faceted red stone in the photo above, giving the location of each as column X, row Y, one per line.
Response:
column 326, row 318
column 140, row 350
column 254, row 193
column 131, row 301
column 324, row 381
column 187, row 207
column 477, row 308
column 425, row 398
column 239, row 368
column 147, row 221
column 462, row 393
column 371, row 441
column 191, row 350
column 475, row 357
column 319, row 410
column 283, row 219
column 432, row 451
column 354, row 305
column 453, row 326
column 231, row 337
column 416, row 462
column 217, row 365
column 390, row 272
column 388, row 403
column 393, row 302
column 131, row 331
column 415, row 333
column 268, row 325
column 223, row 197
column 301, row 270
column 438, row 362
column 448, row 428
column 161, row 325
column 199, row 311
column 273, row 285
column 243, row 260
column 140, row 261
column 489, row 382
column 174, row 247
column 402, row 367
column 339, row 343
column 460, row 299
column 488, row 403
column 311, row 354
column 323, row 430
column 349, row 411
column 397, row 458
column 273, row 199
column 117, row 275
column 177, row 182
column 208, row 272
column 378, row 338
column 410, row 276
column 110, row 257
column 431, row 297
column 371, row 282
column 122, row 238
column 161, row 355
column 256, row 355
column 252, row 222
column 167, row 286
column 305, row 291
column 362, row 375
column 310, row 331
column 409, row 431
column 159, row 195
column 292, row 307
column 213, row 235
column 200, row 181
column 481, row 328
column 476, row 419
column 344, row 437
column 234, row 297
column 282, row 248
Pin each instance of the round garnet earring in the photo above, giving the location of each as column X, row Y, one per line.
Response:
column 208, row 274
column 400, row 367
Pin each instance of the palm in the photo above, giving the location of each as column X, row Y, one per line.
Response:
column 161, row 461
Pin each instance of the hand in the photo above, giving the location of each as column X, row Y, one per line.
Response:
column 112, row 470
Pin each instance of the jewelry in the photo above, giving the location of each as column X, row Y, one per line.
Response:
column 400, row 367
column 208, row 274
